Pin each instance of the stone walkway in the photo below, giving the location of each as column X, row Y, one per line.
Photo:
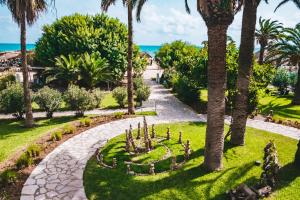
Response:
column 60, row 174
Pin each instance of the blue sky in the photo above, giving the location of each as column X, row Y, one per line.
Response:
column 162, row 20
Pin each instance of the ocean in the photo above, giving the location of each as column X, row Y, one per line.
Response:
column 15, row 47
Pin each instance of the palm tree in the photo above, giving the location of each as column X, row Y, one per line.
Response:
column 268, row 31
column 218, row 15
column 25, row 13
column 93, row 69
column 105, row 4
column 287, row 49
column 296, row 2
column 65, row 72
column 239, row 115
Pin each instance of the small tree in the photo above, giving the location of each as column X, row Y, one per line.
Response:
column 98, row 95
column 12, row 100
column 48, row 99
column 6, row 78
column 142, row 94
column 281, row 80
column 120, row 94
column 79, row 100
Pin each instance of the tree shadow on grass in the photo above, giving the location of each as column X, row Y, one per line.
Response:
column 10, row 128
column 287, row 174
column 115, row 184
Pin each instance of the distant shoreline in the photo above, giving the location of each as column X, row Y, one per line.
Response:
column 13, row 47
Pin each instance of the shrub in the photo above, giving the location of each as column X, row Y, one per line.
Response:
column 77, row 34
column 7, row 78
column 48, row 100
column 56, row 136
column 98, row 95
column 33, row 150
column 85, row 122
column 24, row 161
column 8, row 177
column 80, row 100
column 281, row 80
column 12, row 100
column 69, row 129
column 138, row 82
column 118, row 115
column 186, row 91
column 143, row 93
column 120, row 94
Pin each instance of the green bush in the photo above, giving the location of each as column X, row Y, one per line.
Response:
column 78, row 34
column 7, row 78
column 8, row 177
column 186, row 91
column 80, row 100
column 86, row 122
column 33, row 150
column 56, row 136
column 69, row 129
column 48, row 100
column 12, row 100
column 119, row 115
column 120, row 94
column 281, row 80
column 24, row 161
column 138, row 82
column 99, row 96
column 143, row 93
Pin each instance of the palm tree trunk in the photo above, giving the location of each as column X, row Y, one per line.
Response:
column 240, row 113
column 214, row 144
column 129, row 68
column 261, row 54
column 296, row 100
column 27, row 96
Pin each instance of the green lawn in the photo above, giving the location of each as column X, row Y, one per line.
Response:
column 13, row 135
column 281, row 106
column 109, row 102
column 193, row 181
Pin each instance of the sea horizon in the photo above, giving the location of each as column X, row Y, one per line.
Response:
column 7, row 47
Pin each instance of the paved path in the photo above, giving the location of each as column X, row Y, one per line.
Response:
column 60, row 174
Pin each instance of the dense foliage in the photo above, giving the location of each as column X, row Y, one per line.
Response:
column 78, row 34
column 48, row 99
column 6, row 78
column 120, row 94
column 12, row 100
column 186, row 74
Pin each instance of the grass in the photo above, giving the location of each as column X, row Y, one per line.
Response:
column 146, row 113
column 193, row 181
column 282, row 107
column 109, row 102
column 14, row 136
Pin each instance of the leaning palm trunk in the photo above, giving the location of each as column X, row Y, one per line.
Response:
column 27, row 96
column 217, row 38
column 129, row 68
column 240, row 112
column 296, row 100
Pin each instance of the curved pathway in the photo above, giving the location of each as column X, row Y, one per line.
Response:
column 60, row 174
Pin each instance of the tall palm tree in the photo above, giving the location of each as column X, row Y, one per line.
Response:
column 239, row 114
column 25, row 13
column 287, row 49
column 245, row 67
column 268, row 31
column 296, row 2
column 105, row 4
column 218, row 15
